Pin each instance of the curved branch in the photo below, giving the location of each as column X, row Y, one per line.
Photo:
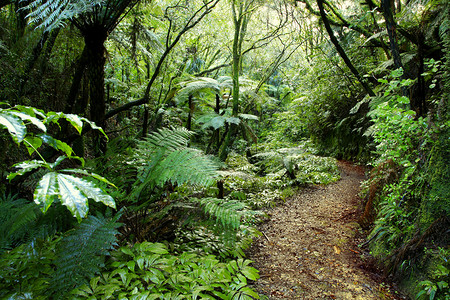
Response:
column 341, row 51
column 191, row 23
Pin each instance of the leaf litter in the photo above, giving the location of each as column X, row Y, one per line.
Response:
column 309, row 247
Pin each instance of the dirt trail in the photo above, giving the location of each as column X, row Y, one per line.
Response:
column 309, row 247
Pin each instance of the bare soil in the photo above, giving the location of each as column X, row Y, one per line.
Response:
column 309, row 248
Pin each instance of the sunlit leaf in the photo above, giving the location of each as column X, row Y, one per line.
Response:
column 84, row 172
column 248, row 117
column 73, row 192
column 25, row 167
column 233, row 120
column 32, row 143
column 46, row 190
column 35, row 121
column 56, row 144
column 14, row 125
column 75, row 120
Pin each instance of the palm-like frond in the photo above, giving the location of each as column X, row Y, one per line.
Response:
column 198, row 85
column 226, row 212
column 53, row 14
column 164, row 156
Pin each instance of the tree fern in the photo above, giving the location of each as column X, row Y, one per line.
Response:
column 53, row 14
column 198, row 85
column 81, row 253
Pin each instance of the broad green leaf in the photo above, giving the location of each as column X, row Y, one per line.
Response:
column 131, row 264
column 14, row 125
column 35, row 121
column 84, row 172
column 26, row 166
column 89, row 190
column 140, row 261
column 94, row 126
column 32, row 111
column 248, row 291
column 156, row 248
column 32, row 143
column 46, row 190
column 57, row 161
column 216, row 122
column 73, row 192
column 56, row 144
column 250, row 273
column 71, row 196
column 75, row 120
column 127, row 251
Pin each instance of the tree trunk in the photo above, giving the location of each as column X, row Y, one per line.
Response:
column 390, row 26
column 387, row 6
column 71, row 102
column 94, row 39
column 191, row 105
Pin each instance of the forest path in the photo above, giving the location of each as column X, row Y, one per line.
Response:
column 309, row 248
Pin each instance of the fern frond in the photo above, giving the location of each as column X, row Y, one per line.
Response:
column 165, row 138
column 185, row 166
column 81, row 253
column 226, row 212
column 54, row 14
column 16, row 218
column 198, row 85
column 163, row 157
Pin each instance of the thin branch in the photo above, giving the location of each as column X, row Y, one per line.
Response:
column 191, row 23
column 341, row 51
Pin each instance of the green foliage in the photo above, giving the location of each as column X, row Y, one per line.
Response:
column 17, row 218
column 244, row 183
column 51, row 267
column 395, row 129
column 298, row 166
column 437, row 287
column 54, row 14
column 71, row 191
column 26, row 271
column 419, row 198
column 395, row 221
column 148, row 270
column 205, row 240
column 164, row 156
column 81, row 252
column 227, row 213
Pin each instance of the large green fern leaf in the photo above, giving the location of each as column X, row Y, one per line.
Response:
column 81, row 253
column 226, row 212
column 164, row 157
column 14, row 125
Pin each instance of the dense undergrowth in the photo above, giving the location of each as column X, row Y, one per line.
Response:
column 182, row 226
column 153, row 212
column 409, row 191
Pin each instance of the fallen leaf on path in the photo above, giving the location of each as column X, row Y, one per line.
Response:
column 337, row 250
